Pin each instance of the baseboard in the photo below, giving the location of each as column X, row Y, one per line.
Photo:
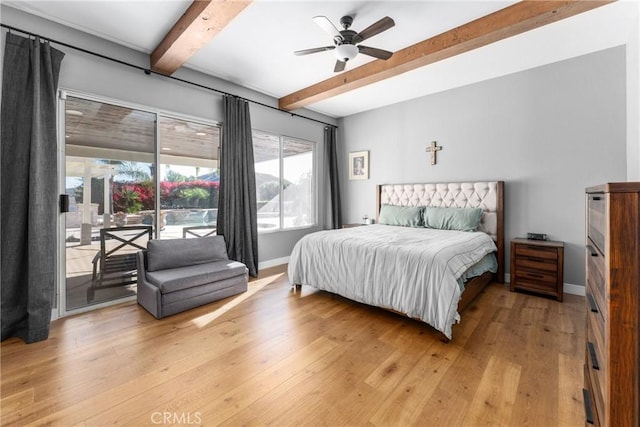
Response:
column 273, row 262
column 573, row 289
column 568, row 287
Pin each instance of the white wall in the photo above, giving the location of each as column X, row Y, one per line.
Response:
column 86, row 73
column 548, row 132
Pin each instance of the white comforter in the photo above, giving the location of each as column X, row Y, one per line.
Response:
column 411, row 270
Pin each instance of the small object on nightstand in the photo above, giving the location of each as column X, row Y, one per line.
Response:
column 365, row 219
column 536, row 236
column 537, row 266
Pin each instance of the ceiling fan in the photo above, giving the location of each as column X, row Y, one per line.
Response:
column 347, row 42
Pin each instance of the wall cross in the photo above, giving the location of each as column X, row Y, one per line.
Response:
column 433, row 149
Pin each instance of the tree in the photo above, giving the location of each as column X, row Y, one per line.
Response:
column 173, row 176
column 132, row 171
column 194, row 195
column 268, row 190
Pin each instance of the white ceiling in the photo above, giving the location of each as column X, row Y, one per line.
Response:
column 256, row 49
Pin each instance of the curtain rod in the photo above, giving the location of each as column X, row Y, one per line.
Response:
column 149, row 71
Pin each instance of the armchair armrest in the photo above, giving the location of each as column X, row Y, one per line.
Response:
column 148, row 294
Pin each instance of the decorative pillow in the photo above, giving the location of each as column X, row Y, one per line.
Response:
column 406, row 216
column 463, row 219
column 173, row 253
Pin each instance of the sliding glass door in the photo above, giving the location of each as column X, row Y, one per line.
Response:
column 130, row 175
column 109, row 164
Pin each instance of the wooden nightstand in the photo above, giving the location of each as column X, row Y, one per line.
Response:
column 537, row 266
column 351, row 225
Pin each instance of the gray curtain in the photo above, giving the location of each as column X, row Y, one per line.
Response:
column 237, row 206
column 331, row 146
column 28, row 213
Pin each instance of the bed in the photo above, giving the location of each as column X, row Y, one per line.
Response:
column 433, row 249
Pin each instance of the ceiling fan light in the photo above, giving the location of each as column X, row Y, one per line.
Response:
column 345, row 52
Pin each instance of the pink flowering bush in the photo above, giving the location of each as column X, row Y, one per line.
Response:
column 134, row 197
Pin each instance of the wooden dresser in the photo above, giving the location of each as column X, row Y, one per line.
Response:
column 612, row 348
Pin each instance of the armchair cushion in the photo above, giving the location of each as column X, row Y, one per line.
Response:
column 175, row 253
column 177, row 279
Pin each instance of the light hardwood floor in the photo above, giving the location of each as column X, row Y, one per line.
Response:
column 276, row 356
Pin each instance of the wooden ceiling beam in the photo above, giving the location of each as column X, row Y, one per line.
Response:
column 515, row 19
column 195, row 28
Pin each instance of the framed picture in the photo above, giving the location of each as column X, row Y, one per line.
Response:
column 359, row 165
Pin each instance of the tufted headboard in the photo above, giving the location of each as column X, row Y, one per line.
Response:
column 487, row 195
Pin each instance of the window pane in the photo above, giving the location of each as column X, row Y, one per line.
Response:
column 298, row 193
column 189, row 178
column 285, row 182
column 266, row 151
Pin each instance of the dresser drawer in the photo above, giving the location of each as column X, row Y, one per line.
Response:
column 596, row 219
column 591, row 413
column 595, row 335
column 595, row 314
column 595, row 366
column 596, row 285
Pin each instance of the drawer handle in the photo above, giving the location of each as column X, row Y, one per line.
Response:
column 596, row 198
column 592, row 250
column 538, row 260
column 592, row 354
column 592, row 303
column 588, row 412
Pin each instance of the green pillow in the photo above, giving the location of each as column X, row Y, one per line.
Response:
column 406, row 216
column 463, row 219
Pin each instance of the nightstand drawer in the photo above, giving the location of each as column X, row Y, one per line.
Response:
column 539, row 275
column 536, row 264
column 536, row 286
column 532, row 251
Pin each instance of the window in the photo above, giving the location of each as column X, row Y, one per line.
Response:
column 285, row 182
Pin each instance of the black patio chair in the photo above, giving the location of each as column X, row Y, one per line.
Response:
column 199, row 231
column 114, row 267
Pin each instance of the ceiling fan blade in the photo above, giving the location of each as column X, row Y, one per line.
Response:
column 376, row 53
column 313, row 50
column 373, row 29
column 339, row 66
column 328, row 27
